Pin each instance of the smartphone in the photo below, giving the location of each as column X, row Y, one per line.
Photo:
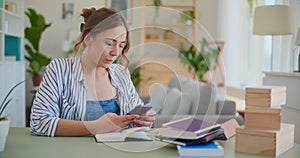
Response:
column 140, row 110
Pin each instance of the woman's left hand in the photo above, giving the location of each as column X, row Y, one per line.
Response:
column 146, row 119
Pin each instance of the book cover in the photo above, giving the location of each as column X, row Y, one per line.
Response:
column 187, row 128
column 229, row 128
column 190, row 124
column 185, row 142
column 211, row 148
column 129, row 134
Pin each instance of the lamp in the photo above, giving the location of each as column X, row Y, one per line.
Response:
column 296, row 54
column 272, row 20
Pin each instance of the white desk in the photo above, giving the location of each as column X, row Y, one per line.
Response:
column 20, row 144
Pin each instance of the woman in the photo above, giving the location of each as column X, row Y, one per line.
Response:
column 89, row 94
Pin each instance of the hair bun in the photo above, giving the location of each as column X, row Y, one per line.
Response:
column 86, row 13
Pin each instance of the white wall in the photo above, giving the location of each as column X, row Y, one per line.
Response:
column 53, row 37
column 208, row 16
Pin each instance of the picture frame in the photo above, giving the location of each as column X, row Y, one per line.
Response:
column 67, row 10
column 123, row 6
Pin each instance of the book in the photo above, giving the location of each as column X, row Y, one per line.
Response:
column 187, row 128
column 126, row 134
column 229, row 129
column 211, row 148
column 185, row 142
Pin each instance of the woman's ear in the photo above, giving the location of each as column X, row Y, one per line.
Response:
column 88, row 39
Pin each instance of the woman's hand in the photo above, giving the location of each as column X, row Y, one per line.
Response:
column 110, row 122
column 146, row 119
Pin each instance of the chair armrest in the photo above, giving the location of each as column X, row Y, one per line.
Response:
column 226, row 107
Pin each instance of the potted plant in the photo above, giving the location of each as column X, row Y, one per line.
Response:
column 200, row 61
column 4, row 121
column 37, row 60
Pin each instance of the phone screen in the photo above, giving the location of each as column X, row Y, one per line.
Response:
column 140, row 110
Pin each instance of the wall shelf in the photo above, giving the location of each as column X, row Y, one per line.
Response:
column 12, row 65
column 162, row 47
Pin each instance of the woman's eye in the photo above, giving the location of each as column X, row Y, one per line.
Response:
column 121, row 46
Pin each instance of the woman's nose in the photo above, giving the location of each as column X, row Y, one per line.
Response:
column 115, row 51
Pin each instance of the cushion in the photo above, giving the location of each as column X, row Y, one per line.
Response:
column 169, row 101
column 176, row 103
column 202, row 95
column 177, row 81
column 226, row 107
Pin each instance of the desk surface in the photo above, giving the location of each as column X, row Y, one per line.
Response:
column 21, row 144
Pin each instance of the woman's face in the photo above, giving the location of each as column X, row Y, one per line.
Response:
column 104, row 48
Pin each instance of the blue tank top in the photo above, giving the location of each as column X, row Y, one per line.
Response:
column 96, row 109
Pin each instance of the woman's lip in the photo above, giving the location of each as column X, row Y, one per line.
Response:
column 110, row 61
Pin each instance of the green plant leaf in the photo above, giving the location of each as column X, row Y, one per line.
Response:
column 35, row 67
column 4, row 106
column 33, row 34
column 200, row 61
column 29, row 50
column 4, row 103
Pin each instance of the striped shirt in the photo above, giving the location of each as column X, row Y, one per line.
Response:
column 62, row 94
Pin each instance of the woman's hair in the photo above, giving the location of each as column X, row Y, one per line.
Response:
column 96, row 21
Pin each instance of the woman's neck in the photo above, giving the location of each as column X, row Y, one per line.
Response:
column 90, row 68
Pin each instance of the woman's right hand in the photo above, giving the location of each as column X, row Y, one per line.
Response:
column 109, row 122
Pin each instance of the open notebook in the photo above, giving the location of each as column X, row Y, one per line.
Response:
column 126, row 134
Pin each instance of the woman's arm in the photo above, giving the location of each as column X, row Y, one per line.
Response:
column 107, row 123
column 149, row 117
column 71, row 128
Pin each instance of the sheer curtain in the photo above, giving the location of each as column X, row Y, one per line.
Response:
column 283, row 45
column 247, row 56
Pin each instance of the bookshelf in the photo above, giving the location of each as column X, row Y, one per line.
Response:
column 159, row 57
column 11, row 30
column 12, row 65
column 169, row 21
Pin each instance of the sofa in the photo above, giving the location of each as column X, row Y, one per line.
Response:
column 185, row 97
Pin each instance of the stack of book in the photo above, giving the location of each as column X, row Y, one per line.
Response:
column 263, row 133
column 193, row 137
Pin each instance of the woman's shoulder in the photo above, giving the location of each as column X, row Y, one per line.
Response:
column 117, row 68
column 62, row 61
